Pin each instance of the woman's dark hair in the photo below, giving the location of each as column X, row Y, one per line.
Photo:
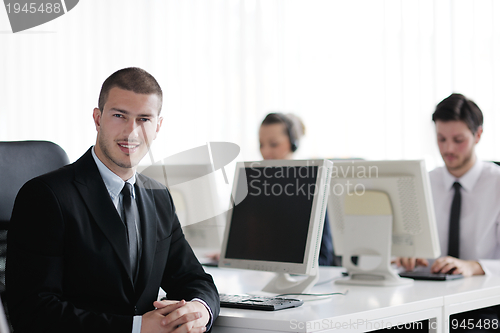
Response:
column 458, row 107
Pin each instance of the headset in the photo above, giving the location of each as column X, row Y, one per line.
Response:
column 294, row 143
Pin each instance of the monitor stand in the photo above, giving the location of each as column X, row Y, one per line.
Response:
column 368, row 231
column 283, row 283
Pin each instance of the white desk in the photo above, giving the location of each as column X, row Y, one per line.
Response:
column 473, row 293
column 362, row 309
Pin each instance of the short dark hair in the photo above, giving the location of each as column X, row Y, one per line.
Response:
column 131, row 79
column 459, row 107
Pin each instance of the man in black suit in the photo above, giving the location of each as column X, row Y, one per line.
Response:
column 90, row 244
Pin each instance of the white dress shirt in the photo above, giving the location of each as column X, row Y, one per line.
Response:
column 479, row 215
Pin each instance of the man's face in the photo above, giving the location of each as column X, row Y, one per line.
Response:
column 456, row 143
column 125, row 129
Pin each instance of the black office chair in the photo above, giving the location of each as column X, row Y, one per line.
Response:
column 19, row 162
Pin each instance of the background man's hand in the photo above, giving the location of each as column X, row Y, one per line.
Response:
column 176, row 317
column 409, row 264
column 457, row 266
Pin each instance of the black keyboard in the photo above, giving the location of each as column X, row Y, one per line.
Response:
column 265, row 303
column 424, row 275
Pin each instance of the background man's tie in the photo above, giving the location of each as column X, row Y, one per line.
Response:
column 454, row 232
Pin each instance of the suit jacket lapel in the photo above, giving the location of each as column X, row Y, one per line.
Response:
column 89, row 182
column 147, row 212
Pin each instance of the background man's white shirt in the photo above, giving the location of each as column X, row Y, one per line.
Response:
column 479, row 216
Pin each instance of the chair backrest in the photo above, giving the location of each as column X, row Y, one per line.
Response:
column 21, row 161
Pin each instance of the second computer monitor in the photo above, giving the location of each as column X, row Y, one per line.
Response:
column 381, row 209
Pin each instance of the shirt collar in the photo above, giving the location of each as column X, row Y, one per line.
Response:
column 113, row 182
column 467, row 181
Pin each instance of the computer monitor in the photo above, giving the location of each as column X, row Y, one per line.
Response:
column 196, row 195
column 278, row 223
column 379, row 209
column 198, row 182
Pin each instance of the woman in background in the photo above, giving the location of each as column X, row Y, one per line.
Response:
column 279, row 137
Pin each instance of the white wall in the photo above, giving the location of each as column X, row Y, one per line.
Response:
column 364, row 75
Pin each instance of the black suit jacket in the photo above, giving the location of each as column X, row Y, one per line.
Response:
column 68, row 256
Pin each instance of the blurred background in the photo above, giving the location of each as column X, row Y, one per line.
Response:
column 364, row 75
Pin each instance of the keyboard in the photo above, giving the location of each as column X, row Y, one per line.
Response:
column 424, row 275
column 265, row 303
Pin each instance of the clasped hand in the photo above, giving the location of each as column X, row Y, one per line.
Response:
column 176, row 317
column 449, row 265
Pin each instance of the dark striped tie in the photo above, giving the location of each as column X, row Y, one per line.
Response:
column 130, row 219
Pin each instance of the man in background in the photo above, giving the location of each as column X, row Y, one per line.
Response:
column 466, row 195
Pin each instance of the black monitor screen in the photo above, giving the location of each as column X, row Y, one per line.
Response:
column 272, row 222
